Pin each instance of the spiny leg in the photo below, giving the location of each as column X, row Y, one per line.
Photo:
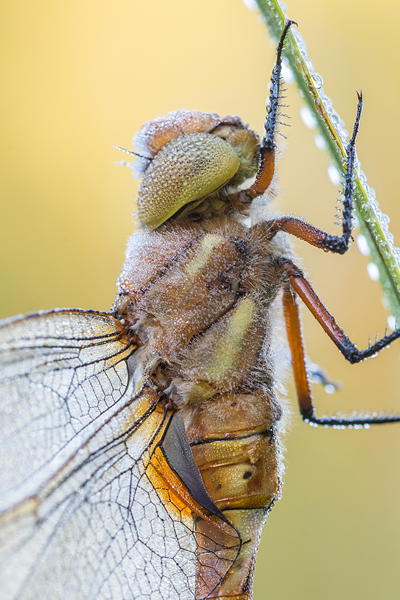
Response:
column 298, row 285
column 266, row 164
column 313, row 235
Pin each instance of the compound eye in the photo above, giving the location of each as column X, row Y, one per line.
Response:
column 187, row 169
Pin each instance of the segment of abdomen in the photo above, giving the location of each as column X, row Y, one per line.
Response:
column 238, row 459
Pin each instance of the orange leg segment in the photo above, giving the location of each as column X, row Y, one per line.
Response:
column 298, row 285
column 302, row 230
column 265, row 173
column 293, row 328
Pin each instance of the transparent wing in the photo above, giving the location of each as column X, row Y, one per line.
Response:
column 91, row 508
column 62, row 373
column 97, row 529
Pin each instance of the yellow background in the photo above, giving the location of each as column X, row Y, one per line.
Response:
column 78, row 77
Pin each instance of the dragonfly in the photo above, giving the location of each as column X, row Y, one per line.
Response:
column 140, row 447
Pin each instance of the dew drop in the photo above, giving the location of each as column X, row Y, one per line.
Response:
column 320, row 142
column 308, row 118
column 123, row 163
column 334, row 175
column 391, row 321
column 329, row 388
column 250, row 4
column 362, row 245
column 287, row 73
column 373, row 271
column 318, row 80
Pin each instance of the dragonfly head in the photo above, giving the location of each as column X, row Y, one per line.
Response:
column 193, row 159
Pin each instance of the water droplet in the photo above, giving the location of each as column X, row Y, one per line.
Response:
column 318, row 80
column 287, row 72
column 308, row 62
column 308, row 118
column 385, row 219
column 123, row 163
column 330, row 388
column 391, row 321
column 320, row 142
column 362, row 245
column 373, row 271
column 250, row 4
column 334, row 175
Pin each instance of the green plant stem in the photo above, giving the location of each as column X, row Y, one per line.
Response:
column 371, row 221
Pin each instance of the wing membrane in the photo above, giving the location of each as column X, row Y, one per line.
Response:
column 90, row 508
column 97, row 529
column 61, row 373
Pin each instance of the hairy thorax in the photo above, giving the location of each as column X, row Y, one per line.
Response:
column 199, row 297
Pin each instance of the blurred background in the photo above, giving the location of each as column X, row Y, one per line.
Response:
column 78, row 77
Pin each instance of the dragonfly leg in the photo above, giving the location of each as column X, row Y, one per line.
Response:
column 298, row 286
column 314, row 236
column 266, row 164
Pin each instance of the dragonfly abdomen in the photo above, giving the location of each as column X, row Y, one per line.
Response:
column 238, row 459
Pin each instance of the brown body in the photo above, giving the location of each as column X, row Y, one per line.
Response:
column 199, row 296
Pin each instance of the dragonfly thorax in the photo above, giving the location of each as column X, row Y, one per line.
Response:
column 197, row 297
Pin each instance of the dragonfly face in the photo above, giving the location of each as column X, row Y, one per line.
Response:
column 143, row 443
